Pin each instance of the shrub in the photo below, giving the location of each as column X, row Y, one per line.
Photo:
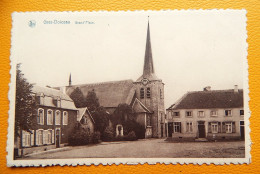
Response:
column 108, row 134
column 131, row 136
column 80, row 137
column 119, row 138
column 96, row 137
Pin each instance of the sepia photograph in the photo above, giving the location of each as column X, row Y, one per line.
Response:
column 129, row 87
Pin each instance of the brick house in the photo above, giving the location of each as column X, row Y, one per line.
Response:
column 209, row 114
column 56, row 117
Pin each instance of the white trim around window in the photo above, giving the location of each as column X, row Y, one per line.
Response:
column 49, row 117
column 213, row 113
column 65, row 118
column 201, row 113
column 214, row 127
column 57, row 117
column 228, row 127
column 40, row 118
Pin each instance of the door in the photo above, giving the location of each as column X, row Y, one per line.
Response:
column 242, row 130
column 201, row 128
column 57, row 138
column 170, row 129
column 161, row 130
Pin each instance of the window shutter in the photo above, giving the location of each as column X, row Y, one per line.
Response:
column 32, row 138
column 52, row 136
column 233, row 127
column 187, row 126
column 180, row 127
column 37, row 137
column 209, row 127
column 23, row 138
column 45, row 136
column 223, row 128
column 219, row 127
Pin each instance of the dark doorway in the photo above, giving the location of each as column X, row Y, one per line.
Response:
column 170, row 129
column 57, row 138
column 201, row 127
column 242, row 130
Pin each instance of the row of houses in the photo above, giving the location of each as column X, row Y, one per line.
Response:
column 208, row 114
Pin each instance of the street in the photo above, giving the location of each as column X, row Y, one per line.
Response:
column 149, row 148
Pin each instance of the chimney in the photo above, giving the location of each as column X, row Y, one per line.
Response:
column 236, row 88
column 207, row 88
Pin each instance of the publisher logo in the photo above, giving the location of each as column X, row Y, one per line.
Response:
column 32, row 23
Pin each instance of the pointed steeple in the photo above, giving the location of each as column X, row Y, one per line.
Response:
column 148, row 71
column 148, row 58
column 70, row 82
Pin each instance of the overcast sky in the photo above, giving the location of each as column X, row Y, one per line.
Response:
column 191, row 49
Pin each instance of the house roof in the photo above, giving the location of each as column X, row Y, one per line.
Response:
column 50, row 94
column 82, row 111
column 110, row 94
column 210, row 99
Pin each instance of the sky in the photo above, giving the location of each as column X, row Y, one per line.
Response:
column 191, row 49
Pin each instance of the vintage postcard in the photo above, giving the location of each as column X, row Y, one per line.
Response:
column 129, row 87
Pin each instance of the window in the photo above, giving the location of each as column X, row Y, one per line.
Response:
column 242, row 112
column 26, row 137
column 188, row 113
column 142, row 93
column 49, row 137
column 58, row 102
column 148, row 93
column 161, row 94
column 228, row 127
column 40, row 99
column 40, row 116
column 57, row 118
column 213, row 113
column 189, row 127
column 40, row 137
column 176, row 127
column 65, row 118
column 201, row 113
column 176, row 114
column 49, row 117
column 214, row 127
column 228, row 113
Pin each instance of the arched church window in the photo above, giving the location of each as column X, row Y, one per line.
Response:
column 148, row 93
column 142, row 93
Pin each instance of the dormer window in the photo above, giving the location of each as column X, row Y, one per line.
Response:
column 40, row 98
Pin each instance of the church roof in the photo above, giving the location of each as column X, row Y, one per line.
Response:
column 110, row 94
column 148, row 71
column 139, row 107
column 210, row 99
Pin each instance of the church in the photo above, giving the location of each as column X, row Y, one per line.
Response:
column 145, row 95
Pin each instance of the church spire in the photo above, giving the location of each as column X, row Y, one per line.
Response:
column 148, row 58
column 70, row 83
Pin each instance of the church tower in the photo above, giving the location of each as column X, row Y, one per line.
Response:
column 150, row 91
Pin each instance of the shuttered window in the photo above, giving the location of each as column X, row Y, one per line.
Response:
column 26, row 139
column 142, row 93
column 148, row 93
column 49, row 136
column 39, row 137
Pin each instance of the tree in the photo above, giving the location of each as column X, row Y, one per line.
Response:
column 78, row 98
column 123, row 113
column 101, row 118
column 92, row 101
column 24, row 104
